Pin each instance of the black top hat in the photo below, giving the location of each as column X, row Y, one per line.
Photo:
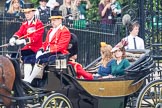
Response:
column 73, row 45
column 56, row 14
column 28, row 7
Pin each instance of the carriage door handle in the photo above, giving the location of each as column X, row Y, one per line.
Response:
column 101, row 89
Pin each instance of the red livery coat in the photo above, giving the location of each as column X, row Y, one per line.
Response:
column 32, row 33
column 59, row 42
column 80, row 71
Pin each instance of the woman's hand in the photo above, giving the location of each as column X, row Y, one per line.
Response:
column 108, row 6
column 109, row 76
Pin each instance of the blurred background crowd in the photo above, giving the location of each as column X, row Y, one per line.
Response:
column 75, row 12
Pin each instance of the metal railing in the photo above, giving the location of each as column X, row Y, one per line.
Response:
column 90, row 34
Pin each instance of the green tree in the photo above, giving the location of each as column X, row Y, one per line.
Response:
column 35, row 2
column 92, row 13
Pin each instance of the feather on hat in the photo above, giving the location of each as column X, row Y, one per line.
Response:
column 121, row 44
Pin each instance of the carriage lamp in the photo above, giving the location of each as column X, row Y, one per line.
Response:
column 58, row 65
column 61, row 63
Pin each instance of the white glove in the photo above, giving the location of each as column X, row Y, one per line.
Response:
column 39, row 53
column 20, row 41
column 12, row 41
column 47, row 49
column 45, row 52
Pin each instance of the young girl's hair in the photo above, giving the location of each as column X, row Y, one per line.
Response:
column 106, row 54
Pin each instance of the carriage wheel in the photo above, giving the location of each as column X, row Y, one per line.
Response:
column 151, row 95
column 57, row 100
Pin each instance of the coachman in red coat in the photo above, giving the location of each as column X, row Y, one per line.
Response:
column 30, row 32
column 57, row 41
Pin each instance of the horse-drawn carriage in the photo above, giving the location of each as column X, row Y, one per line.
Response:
column 116, row 92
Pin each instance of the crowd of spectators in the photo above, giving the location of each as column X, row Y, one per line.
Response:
column 74, row 11
column 74, row 14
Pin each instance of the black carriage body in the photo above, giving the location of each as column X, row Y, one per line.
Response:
column 102, row 93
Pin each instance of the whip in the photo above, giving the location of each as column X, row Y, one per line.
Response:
column 6, row 45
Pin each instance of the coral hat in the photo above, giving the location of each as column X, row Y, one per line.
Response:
column 28, row 7
column 103, row 44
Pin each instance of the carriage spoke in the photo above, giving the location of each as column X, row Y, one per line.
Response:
column 61, row 103
column 151, row 96
column 148, row 103
column 57, row 101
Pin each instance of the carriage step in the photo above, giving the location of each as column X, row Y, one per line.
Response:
column 33, row 88
column 38, row 105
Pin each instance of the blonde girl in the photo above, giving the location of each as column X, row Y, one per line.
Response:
column 14, row 7
column 106, row 55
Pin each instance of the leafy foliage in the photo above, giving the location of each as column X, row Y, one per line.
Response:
column 92, row 14
column 35, row 2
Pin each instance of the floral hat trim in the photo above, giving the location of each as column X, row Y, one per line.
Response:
column 121, row 44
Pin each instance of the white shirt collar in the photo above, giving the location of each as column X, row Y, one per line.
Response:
column 54, row 30
column 43, row 8
column 58, row 27
column 29, row 21
column 132, row 36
